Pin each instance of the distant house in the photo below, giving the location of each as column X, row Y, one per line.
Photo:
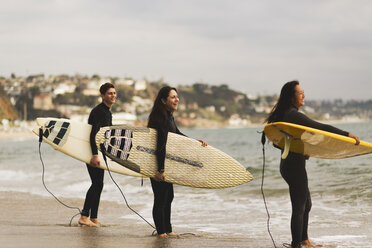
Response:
column 236, row 120
column 43, row 102
column 193, row 105
column 124, row 82
column 211, row 108
column 63, row 88
column 123, row 118
column 92, row 88
column 91, row 92
column 140, row 85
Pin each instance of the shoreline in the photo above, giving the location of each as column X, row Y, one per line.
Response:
column 15, row 133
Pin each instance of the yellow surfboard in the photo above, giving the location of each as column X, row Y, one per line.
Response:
column 314, row 142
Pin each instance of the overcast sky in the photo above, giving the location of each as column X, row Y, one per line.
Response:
column 253, row 46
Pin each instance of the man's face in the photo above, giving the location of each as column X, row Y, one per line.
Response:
column 109, row 97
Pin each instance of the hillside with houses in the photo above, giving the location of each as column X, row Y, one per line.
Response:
column 201, row 105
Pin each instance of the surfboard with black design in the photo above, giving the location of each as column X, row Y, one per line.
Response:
column 132, row 152
column 186, row 161
column 72, row 138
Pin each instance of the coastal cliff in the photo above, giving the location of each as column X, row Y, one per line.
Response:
column 7, row 111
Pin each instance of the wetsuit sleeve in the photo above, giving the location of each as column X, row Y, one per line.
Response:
column 94, row 120
column 161, row 142
column 179, row 132
column 301, row 119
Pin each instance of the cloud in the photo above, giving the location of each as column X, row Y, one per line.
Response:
column 254, row 46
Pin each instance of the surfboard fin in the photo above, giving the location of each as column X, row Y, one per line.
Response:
column 287, row 144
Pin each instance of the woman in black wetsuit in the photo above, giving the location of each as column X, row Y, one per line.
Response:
column 161, row 118
column 293, row 168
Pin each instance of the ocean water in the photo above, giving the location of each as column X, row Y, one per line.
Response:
column 341, row 190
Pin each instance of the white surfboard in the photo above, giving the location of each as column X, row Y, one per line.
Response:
column 72, row 138
column 133, row 149
column 186, row 163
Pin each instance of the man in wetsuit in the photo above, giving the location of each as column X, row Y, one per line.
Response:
column 99, row 117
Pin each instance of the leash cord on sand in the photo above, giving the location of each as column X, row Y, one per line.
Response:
column 125, row 199
column 126, row 202
column 43, row 181
column 263, row 141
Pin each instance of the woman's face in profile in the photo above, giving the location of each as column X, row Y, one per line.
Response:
column 172, row 101
column 299, row 97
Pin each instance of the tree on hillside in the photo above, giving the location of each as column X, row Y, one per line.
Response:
column 124, row 93
column 76, row 98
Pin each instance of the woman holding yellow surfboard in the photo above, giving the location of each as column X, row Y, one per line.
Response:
column 293, row 168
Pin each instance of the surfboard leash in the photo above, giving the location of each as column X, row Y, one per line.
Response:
column 126, row 202
column 263, row 141
column 43, row 181
column 122, row 193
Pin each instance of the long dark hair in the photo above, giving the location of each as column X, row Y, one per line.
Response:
column 284, row 102
column 159, row 113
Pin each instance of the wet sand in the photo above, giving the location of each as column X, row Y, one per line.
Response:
column 33, row 221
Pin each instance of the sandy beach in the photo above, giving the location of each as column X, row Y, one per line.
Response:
column 33, row 221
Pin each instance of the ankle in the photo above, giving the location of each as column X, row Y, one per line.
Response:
column 84, row 218
column 163, row 235
column 95, row 220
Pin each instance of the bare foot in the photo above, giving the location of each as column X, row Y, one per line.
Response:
column 309, row 244
column 95, row 221
column 172, row 234
column 163, row 235
column 85, row 221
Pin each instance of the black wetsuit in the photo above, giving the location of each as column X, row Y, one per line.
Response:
column 163, row 191
column 99, row 117
column 294, row 173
